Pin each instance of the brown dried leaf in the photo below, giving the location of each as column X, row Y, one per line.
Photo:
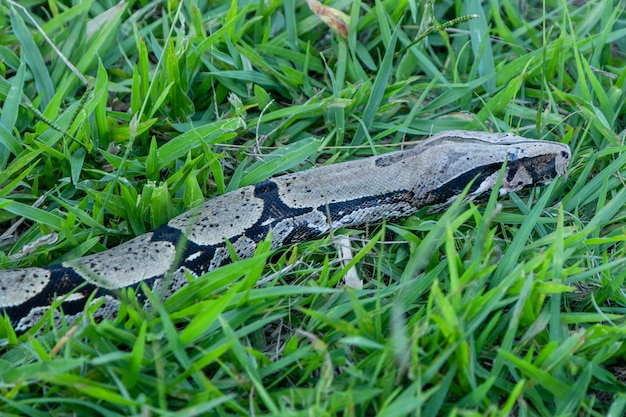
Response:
column 337, row 20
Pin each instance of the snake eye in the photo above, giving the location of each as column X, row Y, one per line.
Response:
column 513, row 156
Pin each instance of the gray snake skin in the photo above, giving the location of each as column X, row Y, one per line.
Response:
column 294, row 207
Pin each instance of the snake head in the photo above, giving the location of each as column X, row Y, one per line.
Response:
column 458, row 158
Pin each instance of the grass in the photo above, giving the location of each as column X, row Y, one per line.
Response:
column 515, row 308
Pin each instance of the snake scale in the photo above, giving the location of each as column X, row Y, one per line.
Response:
column 294, row 208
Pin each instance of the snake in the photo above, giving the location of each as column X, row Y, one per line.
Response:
column 290, row 209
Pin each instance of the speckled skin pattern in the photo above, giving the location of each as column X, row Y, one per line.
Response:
column 294, row 207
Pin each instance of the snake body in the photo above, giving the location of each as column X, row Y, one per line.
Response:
column 294, row 208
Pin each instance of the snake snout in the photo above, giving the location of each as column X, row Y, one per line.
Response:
column 562, row 160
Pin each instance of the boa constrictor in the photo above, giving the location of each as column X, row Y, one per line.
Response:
column 294, row 207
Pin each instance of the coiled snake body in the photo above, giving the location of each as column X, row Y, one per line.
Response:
column 294, row 207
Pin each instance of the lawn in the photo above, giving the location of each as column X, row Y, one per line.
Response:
column 116, row 117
